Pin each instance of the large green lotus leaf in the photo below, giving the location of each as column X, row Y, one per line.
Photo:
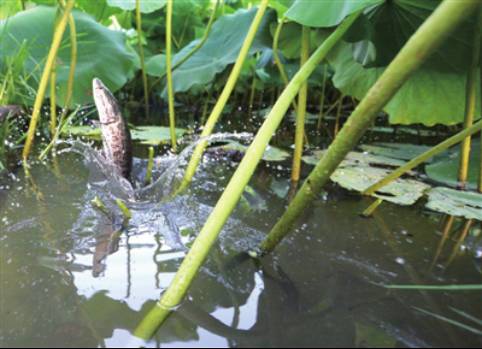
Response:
column 428, row 97
column 455, row 202
column 445, row 169
column 280, row 6
column 96, row 8
column 147, row 6
column 360, row 170
column 9, row 8
column 383, row 30
column 102, row 52
column 220, row 49
column 289, row 42
column 325, row 13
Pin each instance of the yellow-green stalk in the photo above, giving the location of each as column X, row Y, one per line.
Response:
column 301, row 112
column 170, row 90
column 470, row 103
column 53, row 101
column 44, row 80
column 141, row 56
column 223, row 98
column 150, row 166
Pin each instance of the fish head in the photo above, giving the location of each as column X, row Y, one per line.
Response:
column 105, row 102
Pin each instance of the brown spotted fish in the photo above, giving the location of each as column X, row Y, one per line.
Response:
column 116, row 138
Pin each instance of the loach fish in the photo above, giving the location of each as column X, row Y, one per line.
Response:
column 116, row 138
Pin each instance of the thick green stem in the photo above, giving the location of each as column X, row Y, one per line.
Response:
column 223, row 98
column 141, row 56
column 170, row 89
column 301, row 112
column 457, row 138
column 470, row 104
column 234, row 189
column 44, row 80
column 419, row 47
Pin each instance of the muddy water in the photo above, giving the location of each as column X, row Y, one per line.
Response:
column 70, row 275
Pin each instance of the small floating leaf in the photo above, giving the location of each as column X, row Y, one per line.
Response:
column 271, row 153
column 455, row 202
column 154, row 135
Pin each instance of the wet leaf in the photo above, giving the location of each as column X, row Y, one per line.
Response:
column 102, row 52
column 360, row 170
column 154, row 135
column 446, row 167
column 148, row 135
column 402, row 151
column 455, row 202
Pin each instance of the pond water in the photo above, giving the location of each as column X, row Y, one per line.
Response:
column 70, row 275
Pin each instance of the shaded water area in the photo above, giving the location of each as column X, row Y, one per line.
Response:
column 72, row 276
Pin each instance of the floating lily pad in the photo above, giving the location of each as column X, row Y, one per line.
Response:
column 403, row 151
column 148, row 135
column 361, row 170
column 455, row 202
column 82, row 131
column 154, row 135
column 271, row 153
column 446, row 167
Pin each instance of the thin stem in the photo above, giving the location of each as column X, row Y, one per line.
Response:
column 417, row 49
column 470, row 104
column 150, row 166
column 277, row 59
column 223, row 98
column 53, row 101
column 141, row 55
column 44, row 80
column 322, row 97
column 301, row 112
column 170, row 89
column 230, row 197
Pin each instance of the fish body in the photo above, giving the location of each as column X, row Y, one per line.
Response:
column 116, row 138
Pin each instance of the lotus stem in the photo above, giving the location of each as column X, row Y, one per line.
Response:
column 141, row 56
column 223, row 98
column 126, row 213
column 150, row 166
column 418, row 48
column 53, row 101
column 44, row 80
column 277, row 59
column 170, row 90
column 470, row 103
column 301, row 111
column 231, row 195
